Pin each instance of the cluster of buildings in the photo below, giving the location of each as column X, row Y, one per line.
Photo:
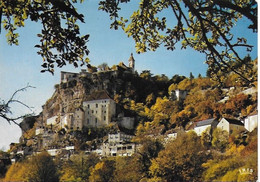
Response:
column 99, row 110
column 226, row 124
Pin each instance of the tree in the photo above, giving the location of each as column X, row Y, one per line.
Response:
column 103, row 67
column 220, row 139
column 78, row 168
column 103, row 171
column 148, row 151
column 42, row 168
column 5, row 107
column 202, row 25
column 39, row 168
column 181, row 160
column 4, row 163
column 128, row 169
column 60, row 40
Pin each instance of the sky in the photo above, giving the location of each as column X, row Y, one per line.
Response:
column 20, row 65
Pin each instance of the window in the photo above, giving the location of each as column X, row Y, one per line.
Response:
column 88, row 105
column 96, row 105
column 104, row 118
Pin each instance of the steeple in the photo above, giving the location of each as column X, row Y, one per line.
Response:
column 131, row 61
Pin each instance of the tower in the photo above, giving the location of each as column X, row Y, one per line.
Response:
column 131, row 61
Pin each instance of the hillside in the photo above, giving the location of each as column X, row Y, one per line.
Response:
column 117, row 112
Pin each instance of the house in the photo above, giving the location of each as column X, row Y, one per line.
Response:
column 178, row 94
column 67, row 76
column 119, row 144
column 99, row 109
column 204, row 125
column 231, row 125
column 78, row 117
column 52, row 120
column 173, row 134
column 66, row 120
column 73, row 120
column 251, row 121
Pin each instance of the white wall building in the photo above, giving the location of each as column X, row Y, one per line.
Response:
column 231, row 125
column 119, row 144
column 251, row 121
column 99, row 110
column 202, row 126
column 52, row 120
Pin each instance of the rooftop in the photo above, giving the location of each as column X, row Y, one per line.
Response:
column 234, row 121
column 205, row 122
column 98, row 95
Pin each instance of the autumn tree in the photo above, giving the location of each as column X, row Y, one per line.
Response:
column 78, row 167
column 220, row 139
column 42, row 168
column 103, row 171
column 38, row 168
column 149, row 150
column 238, row 163
column 203, row 26
column 128, row 169
column 181, row 160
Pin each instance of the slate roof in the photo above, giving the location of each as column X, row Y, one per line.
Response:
column 234, row 121
column 98, row 95
column 205, row 122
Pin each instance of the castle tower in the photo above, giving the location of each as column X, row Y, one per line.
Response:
column 131, row 61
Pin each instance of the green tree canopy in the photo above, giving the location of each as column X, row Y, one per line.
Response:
column 60, row 39
column 204, row 26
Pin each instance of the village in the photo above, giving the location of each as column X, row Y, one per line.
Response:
column 99, row 109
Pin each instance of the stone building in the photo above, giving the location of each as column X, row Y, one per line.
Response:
column 251, row 121
column 231, row 125
column 99, row 109
column 203, row 126
column 119, row 144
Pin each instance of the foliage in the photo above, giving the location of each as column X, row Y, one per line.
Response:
column 238, row 163
column 149, row 150
column 128, row 169
column 16, row 172
column 203, row 26
column 103, row 171
column 60, row 39
column 42, row 168
column 4, row 163
column 180, row 160
column 38, row 168
column 220, row 139
column 78, row 168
